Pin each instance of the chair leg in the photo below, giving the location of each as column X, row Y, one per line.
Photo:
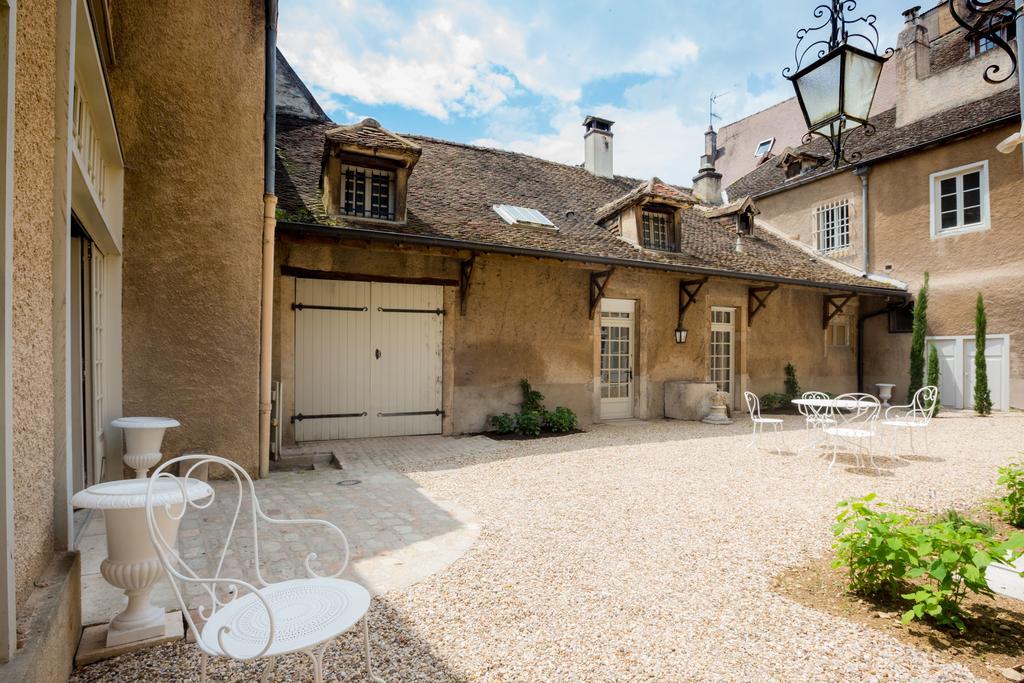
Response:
column 927, row 447
column 269, row 670
column 202, row 667
column 366, row 648
column 912, row 449
column 779, row 442
column 318, row 664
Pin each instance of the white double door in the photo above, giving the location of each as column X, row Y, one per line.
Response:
column 957, row 370
column 367, row 359
column 617, row 349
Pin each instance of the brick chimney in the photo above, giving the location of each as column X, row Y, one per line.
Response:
column 597, row 146
column 915, row 50
column 707, row 184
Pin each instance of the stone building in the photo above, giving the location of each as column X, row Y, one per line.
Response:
column 417, row 280
column 132, row 212
column 929, row 192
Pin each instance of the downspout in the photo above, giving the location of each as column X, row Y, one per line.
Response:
column 269, row 226
column 862, row 172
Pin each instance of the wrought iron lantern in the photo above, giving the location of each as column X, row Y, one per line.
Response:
column 680, row 335
column 989, row 20
column 836, row 90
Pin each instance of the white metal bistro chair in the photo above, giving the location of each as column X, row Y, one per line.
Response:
column 855, row 426
column 916, row 415
column 243, row 620
column 754, row 408
column 816, row 417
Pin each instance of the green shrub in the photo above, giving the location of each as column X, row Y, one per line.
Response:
column 1011, row 505
column 506, row 423
column 533, row 400
column 560, row 420
column 529, row 424
column 932, row 565
column 774, row 401
column 933, row 378
column 792, row 386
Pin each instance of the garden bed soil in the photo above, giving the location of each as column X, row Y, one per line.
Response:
column 522, row 437
column 995, row 626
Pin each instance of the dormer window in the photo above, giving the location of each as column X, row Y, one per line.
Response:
column 793, row 169
column 745, row 223
column 369, row 192
column 657, row 230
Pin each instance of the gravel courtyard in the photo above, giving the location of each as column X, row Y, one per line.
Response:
column 640, row 551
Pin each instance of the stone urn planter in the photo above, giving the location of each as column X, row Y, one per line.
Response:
column 142, row 439
column 885, row 393
column 132, row 563
column 719, row 414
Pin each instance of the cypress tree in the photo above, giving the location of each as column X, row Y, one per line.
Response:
column 933, row 376
column 982, row 396
column 917, row 341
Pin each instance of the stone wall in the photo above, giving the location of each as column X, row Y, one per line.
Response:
column 188, row 91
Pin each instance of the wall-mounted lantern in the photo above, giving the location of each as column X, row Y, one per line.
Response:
column 680, row 335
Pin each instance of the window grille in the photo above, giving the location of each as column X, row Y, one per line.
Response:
column 656, row 230
column 832, row 226
column 369, row 193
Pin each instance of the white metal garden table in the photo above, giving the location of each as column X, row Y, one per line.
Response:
column 830, row 404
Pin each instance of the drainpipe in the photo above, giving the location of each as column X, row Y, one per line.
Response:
column 862, row 172
column 269, row 226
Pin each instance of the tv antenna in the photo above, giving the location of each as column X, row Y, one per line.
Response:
column 711, row 107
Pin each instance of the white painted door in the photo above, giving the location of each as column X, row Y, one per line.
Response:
column 616, row 351
column 723, row 350
column 367, row 359
column 957, row 373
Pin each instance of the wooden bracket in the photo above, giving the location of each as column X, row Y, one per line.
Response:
column 465, row 274
column 831, row 306
column 688, row 291
column 598, row 281
column 756, row 298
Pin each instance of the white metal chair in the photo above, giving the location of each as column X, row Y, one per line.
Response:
column 243, row 620
column 854, row 425
column 815, row 416
column 754, row 408
column 916, row 415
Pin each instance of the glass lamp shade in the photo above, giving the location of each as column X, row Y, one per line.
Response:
column 837, row 90
column 680, row 336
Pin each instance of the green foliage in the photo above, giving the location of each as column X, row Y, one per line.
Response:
column 933, row 377
column 982, row 395
column 1011, row 505
column 792, row 386
column 506, row 423
column 560, row 420
column 933, row 565
column 774, row 401
column 533, row 401
column 917, row 341
column 529, row 424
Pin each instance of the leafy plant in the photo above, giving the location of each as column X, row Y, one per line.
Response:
column 932, row 565
column 529, row 424
column 1011, row 505
column 560, row 420
column 774, row 401
column 506, row 423
column 933, row 377
column 533, row 400
column 792, row 386
column 982, row 395
column 917, row 340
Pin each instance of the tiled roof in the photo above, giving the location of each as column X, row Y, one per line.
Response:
column 454, row 186
column 654, row 189
column 888, row 140
column 369, row 133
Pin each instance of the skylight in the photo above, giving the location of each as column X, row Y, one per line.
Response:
column 764, row 147
column 520, row 215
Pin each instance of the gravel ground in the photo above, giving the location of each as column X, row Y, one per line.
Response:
column 641, row 551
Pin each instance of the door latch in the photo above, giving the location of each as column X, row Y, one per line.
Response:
column 377, row 353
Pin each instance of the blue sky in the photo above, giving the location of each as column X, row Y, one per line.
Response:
column 522, row 75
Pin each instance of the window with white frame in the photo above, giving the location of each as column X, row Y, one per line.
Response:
column 960, row 199
column 764, row 147
column 839, row 331
column 657, row 230
column 983, row 44
column 832, row 226
column 369, row 192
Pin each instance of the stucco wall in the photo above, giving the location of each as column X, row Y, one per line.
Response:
column 193, row 218
column 32, row 322
column 990, row 261
column 529, row 318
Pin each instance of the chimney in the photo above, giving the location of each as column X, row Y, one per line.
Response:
column 597, row 145
column 707, row 184
column 915, row 50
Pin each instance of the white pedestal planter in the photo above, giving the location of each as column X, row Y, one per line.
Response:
column 885, row 393
column 142, row 439
column 1006, row 579
column 131, row 563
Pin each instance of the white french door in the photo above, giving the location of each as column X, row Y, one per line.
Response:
column 367, row 359
column 957, row 371
column 616, row 351
column 723, row 350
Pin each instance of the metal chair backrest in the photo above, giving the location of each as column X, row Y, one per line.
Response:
column 753, row 405
column 216, row 589
column 863, row 415
column 922, row 406
column 820, row 412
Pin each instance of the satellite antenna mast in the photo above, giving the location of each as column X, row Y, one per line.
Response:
column 711, row 107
